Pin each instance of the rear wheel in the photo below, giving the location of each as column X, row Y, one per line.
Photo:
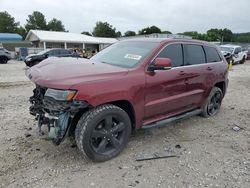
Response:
column 103, row 132
column 213, row 103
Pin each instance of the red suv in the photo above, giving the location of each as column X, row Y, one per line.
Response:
column 139, row 83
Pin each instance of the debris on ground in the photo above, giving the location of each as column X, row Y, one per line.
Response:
column 236, row 128
column 156, row 155
column 178, row 146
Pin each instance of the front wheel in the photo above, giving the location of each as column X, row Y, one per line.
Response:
column 213, row 102
column 103, row 132
column 4, row 60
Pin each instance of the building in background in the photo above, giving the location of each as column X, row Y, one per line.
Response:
column 4, row 37
column 55, row 39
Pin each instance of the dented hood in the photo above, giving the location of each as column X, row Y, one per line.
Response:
column 63, row 73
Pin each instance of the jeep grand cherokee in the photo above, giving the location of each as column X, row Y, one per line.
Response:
column 132, row 84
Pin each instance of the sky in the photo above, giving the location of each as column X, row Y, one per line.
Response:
column 172, row 15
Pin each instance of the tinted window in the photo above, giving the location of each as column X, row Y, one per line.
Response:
column 212, row 54
column 65, row 52
column 51, row 52
column 57, row 52
column 174, row 52
column 194, row 54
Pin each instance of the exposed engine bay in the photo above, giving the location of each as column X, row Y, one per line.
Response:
column 56, row 114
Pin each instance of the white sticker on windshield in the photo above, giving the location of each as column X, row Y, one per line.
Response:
column 132, row 56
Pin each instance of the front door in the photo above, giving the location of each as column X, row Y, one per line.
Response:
column 165, row 91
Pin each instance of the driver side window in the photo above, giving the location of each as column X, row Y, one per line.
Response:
column 173, row 52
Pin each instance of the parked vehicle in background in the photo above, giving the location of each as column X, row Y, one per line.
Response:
column 234, row 53
column 5, row 55
column 140, row 83
column 34, row 59
column 248, row 52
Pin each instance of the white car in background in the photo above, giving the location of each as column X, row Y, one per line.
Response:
column 236, row 52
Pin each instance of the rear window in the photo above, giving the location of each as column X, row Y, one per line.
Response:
column 212, row 54
column 194, row 54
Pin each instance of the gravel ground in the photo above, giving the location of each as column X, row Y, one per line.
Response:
column 210, row 153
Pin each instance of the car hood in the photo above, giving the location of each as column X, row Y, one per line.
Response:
column 63, row 73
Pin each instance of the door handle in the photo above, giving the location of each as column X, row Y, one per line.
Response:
column 209, row 68
column 181, row 73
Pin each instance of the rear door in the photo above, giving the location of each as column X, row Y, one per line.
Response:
column 196, row 71
column 165, row 91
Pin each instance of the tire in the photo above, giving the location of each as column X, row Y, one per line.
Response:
column 3, row 60
column 103, row 132
column 213, row 103
column 243, row 60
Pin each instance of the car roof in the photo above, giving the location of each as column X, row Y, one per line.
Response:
column 230, row 46
column 166, row 40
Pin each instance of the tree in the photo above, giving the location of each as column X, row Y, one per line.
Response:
column 149, row 30
column 7, row 23
column 86, row 33
column 166, row 32
column 104, row 29
column 118, row 34
column 21, row 31
column 55, row 25
column 36, row 21
column 129, row 33
column 227, row 35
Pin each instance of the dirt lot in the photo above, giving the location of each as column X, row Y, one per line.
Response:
column 211, row 154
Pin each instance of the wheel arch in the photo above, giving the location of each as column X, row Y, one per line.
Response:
column 128, row 108
column 123, row 104
column 222, row 86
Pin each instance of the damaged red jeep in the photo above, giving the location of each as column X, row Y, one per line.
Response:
column 139, row 83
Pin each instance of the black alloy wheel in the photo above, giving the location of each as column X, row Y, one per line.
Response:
column 103, row 132
column 215, row 103
column 108, row 135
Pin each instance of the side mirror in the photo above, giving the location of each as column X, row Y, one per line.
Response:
column 46, row 55
column 161, row 64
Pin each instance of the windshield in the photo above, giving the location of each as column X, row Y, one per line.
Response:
column 42, row 52
column 227, row 49
column 126, row 53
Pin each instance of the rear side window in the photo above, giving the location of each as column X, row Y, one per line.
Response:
column 173, row 52
column 65, row 52
column 194, row 54
column 212, row 54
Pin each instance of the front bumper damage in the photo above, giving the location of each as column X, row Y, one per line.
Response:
column 57, row 115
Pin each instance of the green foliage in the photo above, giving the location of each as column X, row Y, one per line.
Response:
column 86, row 33
column 118, row 34
column 149, row 30
column 21, row 31
column 241, row 37
column 225, row 35
column 129, row 33
column 36, row 21
column 7, row 23
column 104, row 29
column 166, row 32
column 55, row 25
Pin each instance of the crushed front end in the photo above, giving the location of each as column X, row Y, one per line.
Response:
column 56, row 109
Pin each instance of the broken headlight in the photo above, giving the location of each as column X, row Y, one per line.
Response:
column 61, row 95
